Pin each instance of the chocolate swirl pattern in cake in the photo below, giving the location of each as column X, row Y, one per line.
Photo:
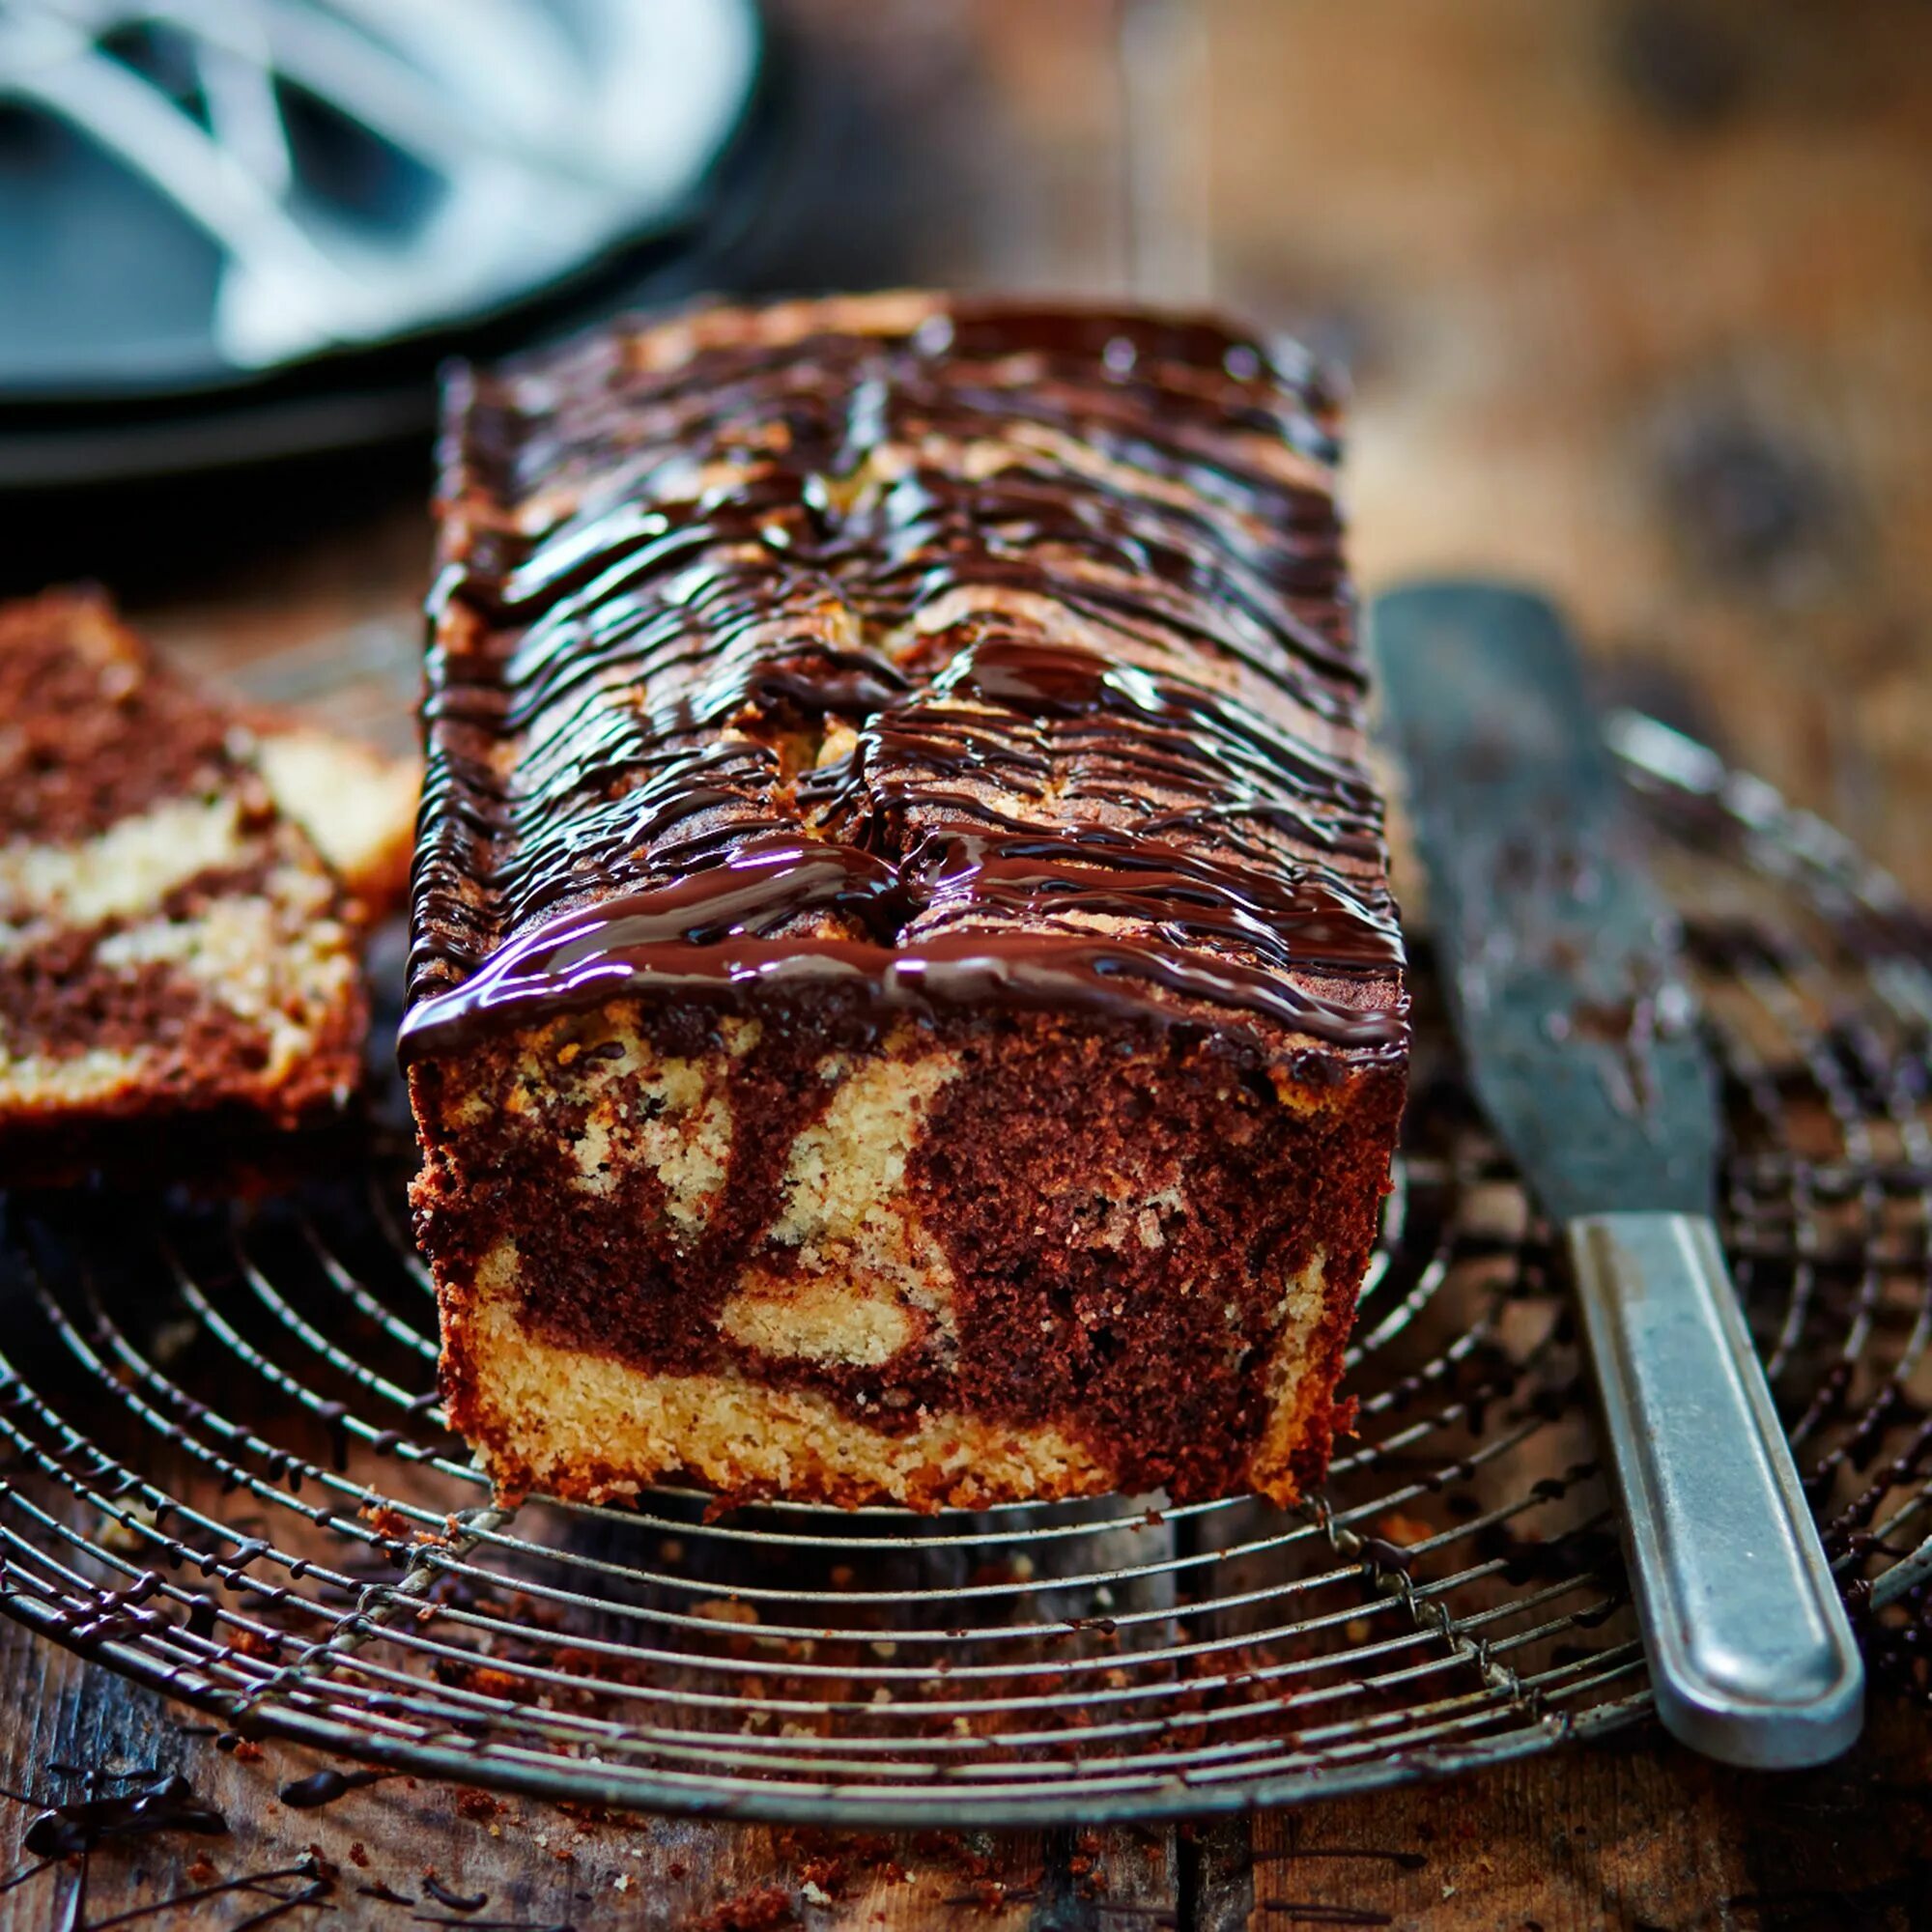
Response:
column 964, row 652
column 905, row 1000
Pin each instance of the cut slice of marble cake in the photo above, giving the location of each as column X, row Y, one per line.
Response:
column 172, row 943
column 905, row 1000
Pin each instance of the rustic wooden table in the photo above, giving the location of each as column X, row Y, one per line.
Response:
column 1638, row 297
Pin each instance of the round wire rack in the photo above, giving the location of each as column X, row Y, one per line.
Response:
column 224, row 1471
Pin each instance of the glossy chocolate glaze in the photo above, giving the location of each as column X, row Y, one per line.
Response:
column 917, row 652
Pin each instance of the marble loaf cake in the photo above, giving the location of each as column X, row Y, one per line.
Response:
column 905, row 1001
column 180, row 966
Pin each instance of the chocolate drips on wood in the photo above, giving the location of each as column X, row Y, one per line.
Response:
column 166, row 1804
column 326, row 1786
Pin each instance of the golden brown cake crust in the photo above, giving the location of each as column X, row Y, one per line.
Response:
column 915, row 739
column 356, row 804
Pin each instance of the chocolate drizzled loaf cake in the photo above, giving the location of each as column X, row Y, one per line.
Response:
column 905, row 999
column 172, row 943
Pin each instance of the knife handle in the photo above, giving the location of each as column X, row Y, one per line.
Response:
column 1752, row 1660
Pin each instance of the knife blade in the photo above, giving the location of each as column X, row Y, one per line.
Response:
column 1559, row 960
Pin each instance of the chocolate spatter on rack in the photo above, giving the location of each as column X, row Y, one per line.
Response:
column 982, row 655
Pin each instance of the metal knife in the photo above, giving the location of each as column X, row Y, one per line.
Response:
column 1558, row 963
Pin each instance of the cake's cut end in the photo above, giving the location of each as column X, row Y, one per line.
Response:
column 975, row 1261
column 170, row 943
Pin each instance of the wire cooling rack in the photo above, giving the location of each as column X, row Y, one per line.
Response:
column 224, row 1472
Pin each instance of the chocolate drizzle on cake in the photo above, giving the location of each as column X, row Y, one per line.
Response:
column 964, row 654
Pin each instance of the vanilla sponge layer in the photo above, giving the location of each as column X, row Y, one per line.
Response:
column 590, row 1426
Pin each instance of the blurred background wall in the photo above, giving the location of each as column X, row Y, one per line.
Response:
column 1637, row 295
